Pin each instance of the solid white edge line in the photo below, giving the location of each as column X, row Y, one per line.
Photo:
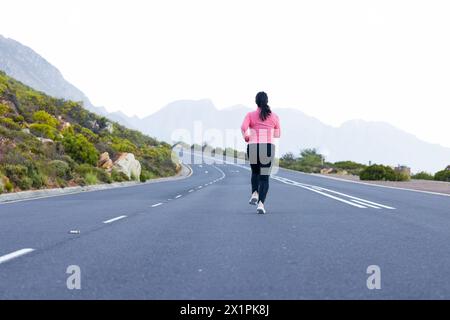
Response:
column 114, row 219
column 370, row 184
column 15, row 254
column 156, row 204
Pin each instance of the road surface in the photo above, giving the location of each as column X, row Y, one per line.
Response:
column 198, row 238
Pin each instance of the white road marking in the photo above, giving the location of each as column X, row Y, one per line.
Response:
column 192, row 190
column 157, row 204
column 178, row 196
column 287, row 181
column 114, row 219
column 206, row 171
column 15, row 254
column 356, row 203
column 199, row 187
column 365, row 204
column 356, row 198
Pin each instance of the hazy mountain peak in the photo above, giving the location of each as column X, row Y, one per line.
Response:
column 27, row 66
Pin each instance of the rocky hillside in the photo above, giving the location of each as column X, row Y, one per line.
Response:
column 50, row 142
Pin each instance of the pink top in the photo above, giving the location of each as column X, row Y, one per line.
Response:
column 260, row 131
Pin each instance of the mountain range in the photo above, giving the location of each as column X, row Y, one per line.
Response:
column 357, row 140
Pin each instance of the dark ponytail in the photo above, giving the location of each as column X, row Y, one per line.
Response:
column 262, row 101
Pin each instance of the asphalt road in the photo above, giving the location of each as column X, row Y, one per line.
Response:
column 198, row 238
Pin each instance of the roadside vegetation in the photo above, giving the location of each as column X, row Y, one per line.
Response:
column 311, row 161
column 47, row 142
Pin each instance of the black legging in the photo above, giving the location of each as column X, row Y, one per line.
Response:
column 260, row 156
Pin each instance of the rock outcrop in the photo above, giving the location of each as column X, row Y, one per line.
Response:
column 45, row 140
column 127, row 163
column 105, row 162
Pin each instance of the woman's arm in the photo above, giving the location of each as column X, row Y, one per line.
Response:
column 277, row 128
column 244, row 127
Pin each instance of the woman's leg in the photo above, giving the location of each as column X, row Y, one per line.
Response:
column 268, row 153
column 263, row 187
column 256, row 172
column 252, row 154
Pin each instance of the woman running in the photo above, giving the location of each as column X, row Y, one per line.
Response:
column 258, row 129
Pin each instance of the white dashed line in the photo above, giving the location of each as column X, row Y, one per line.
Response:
column 157, row 205
column 178, row 196
column 14, row 255
column 192, row 190
column 114, row 219
column 199, row 187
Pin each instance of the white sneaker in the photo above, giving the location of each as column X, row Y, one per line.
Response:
column 254, row 199
column 260, row 208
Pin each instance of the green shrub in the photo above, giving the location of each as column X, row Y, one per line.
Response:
column 380, row 172
column 146, row 175
column 61, row 182
column 443, row 175
column 373, row 172
column 123, row 145
column 118, row 176
column 349, row 166
column 100, row 174
column 401, row 176
column 80, row 149
column 45, row 118
column 16, row 174
column 59, row 169
column 422, row 176
column 44, row 131
column 9, row 123
column 90, row 178
column 9, row 186
column 4, row 109
column 67, row 159
column 84, row 168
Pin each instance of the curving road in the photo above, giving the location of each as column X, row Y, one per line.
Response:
column 198, row 238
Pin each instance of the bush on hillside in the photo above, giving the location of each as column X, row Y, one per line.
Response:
column 44, row 131
column 80, row 149
column 118, row 176
column 43, row 117
column 9, row 123
column 85, row 169
column 4, row 109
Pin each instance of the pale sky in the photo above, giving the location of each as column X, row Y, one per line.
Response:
column 334, row 60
